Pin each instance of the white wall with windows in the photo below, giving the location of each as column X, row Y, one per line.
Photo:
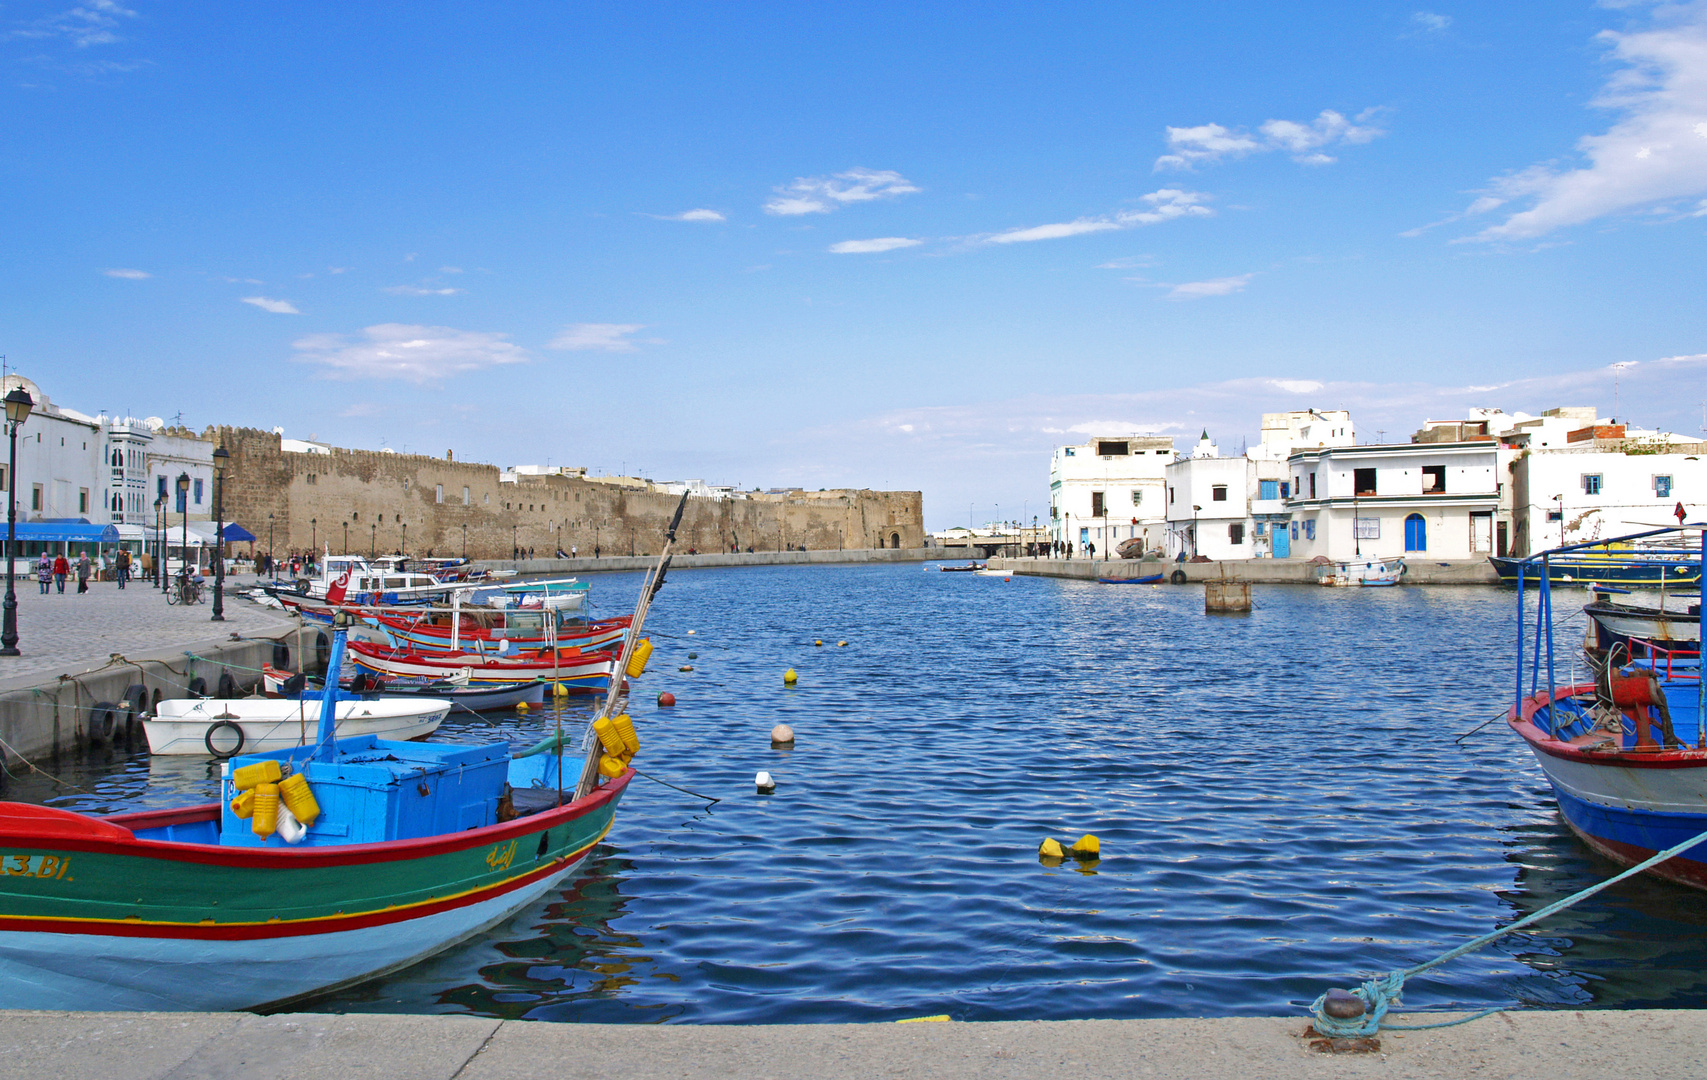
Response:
column 1573, row 496
column 1108, row 490
column 1434, row 500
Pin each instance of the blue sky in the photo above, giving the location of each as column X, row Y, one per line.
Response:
column 887, row 245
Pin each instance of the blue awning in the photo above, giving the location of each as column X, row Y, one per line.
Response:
column 235, row 533
column 71, row 531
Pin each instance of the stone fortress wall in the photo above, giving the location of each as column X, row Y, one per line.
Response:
column 370, row 497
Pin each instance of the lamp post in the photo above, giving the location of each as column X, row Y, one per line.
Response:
column 404, row 550
column 465, row 540
column 184, row 501
column 269, row 538
column 314, row 538
column 1560, row 499
column 18, row 406
column 515, row 544
column 346, row 550
column 1194, row 512
column 160, row 540
column 220, row 458
column 373, row 541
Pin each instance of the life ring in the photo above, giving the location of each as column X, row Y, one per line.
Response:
column 197, row 687
column 207, row 740
column 1177, row 577
column 102, row 719
column 281, row 655
column 227, row 686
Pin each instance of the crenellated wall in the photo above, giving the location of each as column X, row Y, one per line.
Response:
column 370, row 497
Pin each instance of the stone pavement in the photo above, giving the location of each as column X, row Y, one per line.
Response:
column 1544, row 1045
column 69, row 634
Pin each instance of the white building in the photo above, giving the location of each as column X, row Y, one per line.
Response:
column 1109, row 489
column 1437, row 500
column 1571, row 495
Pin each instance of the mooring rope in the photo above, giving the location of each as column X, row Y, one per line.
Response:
column 1382, row 992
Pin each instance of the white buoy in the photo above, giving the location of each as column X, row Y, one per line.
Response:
column 291, row 831
column 764, row 783
column 782, row 735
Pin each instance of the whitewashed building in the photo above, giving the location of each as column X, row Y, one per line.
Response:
column 1108, row 490
column 1434, row 500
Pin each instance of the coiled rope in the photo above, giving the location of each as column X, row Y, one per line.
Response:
column 1382, row 992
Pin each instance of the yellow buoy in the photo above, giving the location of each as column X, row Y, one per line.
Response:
column 841, row 644
column 612, row 767
column 624, row 725
column 789, row 678
column 1088, row 847
column 637, row 659
column 819, row 642
column 262, row 772
column 243, row 805
column 265, row 820
column 1050, row 849
column 299, row 797
column 609, row 738
column 559, row 690
column 521, row 706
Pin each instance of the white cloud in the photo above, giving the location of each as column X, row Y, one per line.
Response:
column 1208, row 144
column 1197, row 290
column 277, row 307
column 1295, row 386
column 882, row 243
column 601, row 337
column 131, row 275
column 450, row 269
column 419, row 290
column 1129, row 262
column 1430, row 22
column 691, row 215
column 418, row 354
column 93, row 22
column 1164, row 205
column 822, row 194
column 1655, row 152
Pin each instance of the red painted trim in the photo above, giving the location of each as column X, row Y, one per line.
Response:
column 1544, row 743
column 1681, row 870
column 262, row 931
column 345, row 855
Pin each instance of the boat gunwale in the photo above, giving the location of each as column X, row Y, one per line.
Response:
column 1543, row 743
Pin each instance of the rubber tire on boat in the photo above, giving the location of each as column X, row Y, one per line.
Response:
column 1177, row 577
column 281, row 655
column 135, row 704
column 197, row 687
column 227, row 686
column 322, row 651
column 207, row 740
column 102, row 718
column 302, row 587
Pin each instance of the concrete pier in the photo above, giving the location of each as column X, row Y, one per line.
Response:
column 1256, row 571
column 1632, row 1045
column 681, row 559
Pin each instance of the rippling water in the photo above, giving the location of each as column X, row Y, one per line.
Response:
column 1280, row 799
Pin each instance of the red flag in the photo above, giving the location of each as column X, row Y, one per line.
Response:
column 335, row 591
column 1678, row 513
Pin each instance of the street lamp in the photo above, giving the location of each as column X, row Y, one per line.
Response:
column 314, row 539
column 160, row 540
column 220, row 459
column 404, row 550
column 465, row 540
column 269, row 538
column 515, row 544
column 373, row 541
column 18, row 406
column 1560, row 499
column 1194, row 512
column 346, row 525
column 184, row 501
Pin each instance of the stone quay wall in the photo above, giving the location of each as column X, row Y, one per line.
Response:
column 361, row 500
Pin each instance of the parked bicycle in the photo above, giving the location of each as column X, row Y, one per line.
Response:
column 186, row 590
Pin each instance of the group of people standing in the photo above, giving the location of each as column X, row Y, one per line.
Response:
column 53, row 570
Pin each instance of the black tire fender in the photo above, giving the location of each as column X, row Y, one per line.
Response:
column 207, row 740
column 227, row 686
column 1177, row 577
column 322, row 651
column 197, row 687
column 281, row 656
column 102, row 719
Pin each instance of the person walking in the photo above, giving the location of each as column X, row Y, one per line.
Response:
column 84, row 567
column 44, row 571
column 121, row 568
column 61, row 570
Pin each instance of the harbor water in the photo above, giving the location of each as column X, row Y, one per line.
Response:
column 1282, row 800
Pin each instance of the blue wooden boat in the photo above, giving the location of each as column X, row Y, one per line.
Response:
column 1606, row 563
column 1626, row 754
column 1149, row 579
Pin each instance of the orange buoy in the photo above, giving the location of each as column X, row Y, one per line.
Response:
column 666, row 699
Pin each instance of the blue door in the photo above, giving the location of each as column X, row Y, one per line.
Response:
column 1282, row 541
column 1416, row 533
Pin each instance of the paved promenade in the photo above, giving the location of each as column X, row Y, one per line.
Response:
column 1634, row 1045
column 71, row 633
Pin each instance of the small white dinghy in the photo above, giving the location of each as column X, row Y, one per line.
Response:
column 221, row 727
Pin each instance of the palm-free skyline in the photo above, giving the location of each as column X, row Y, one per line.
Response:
column 875, row 245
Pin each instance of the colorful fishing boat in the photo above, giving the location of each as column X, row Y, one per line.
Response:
column 221, row 727
column 1626, row 755
column 1625, row 617
column 474, row 630
column 1608, row 563
column 320, row 867
column 289, row 684
column 1361, row 572
column 572, row 668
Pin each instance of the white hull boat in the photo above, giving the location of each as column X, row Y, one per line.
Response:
column 222, row 727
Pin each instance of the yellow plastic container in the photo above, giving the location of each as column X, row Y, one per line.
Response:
column 612, row 767
column 262, row 772
column 243, row 805
column 624, row 725
column 609, row 738
column 637, row 659
column 265, row 821
column 297, row 795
